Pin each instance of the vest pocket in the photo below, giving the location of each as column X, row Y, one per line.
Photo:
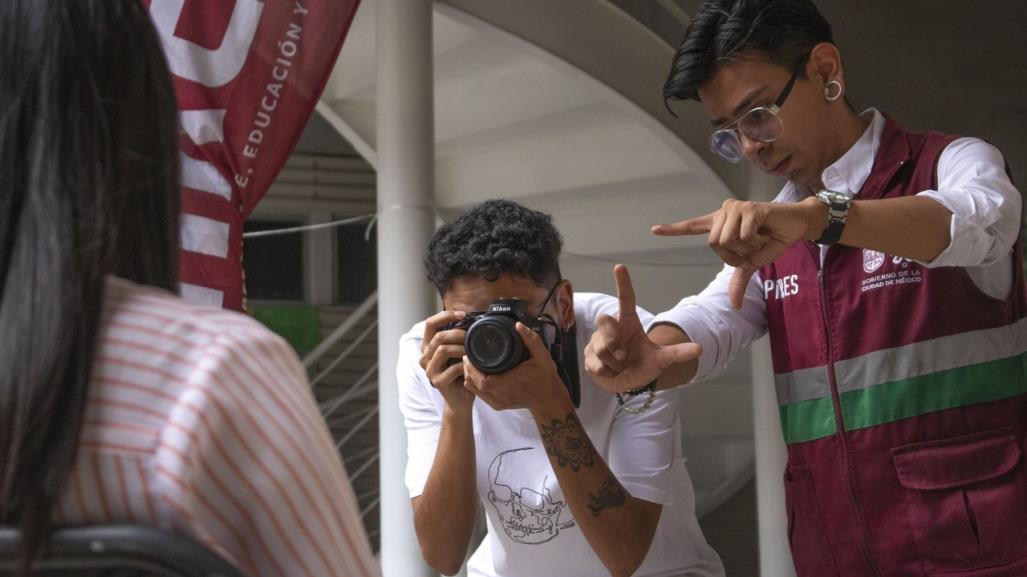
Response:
column 806, row 534
column 966, row 499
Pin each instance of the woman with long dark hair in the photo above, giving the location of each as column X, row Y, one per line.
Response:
column 118, row 401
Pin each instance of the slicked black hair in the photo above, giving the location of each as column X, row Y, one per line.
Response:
column 780, row 31
column 494, row 238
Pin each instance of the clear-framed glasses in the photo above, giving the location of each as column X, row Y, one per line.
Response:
column 761, row 124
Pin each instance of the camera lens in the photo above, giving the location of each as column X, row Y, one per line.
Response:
column 493, row 344
column 490, row 345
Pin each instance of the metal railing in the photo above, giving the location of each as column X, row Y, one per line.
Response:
column 341, row 331
column 353, row 422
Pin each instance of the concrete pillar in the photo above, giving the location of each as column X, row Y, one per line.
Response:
column 771, row 454
column 406, row 163
column 320, row 255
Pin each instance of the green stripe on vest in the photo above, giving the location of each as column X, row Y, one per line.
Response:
column 888, row 402
column 808, row 420
column 888, row 365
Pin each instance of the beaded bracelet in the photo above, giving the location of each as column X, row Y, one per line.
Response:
column 650, row 388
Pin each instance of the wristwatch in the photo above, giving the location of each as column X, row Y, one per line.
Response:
column 837, row 209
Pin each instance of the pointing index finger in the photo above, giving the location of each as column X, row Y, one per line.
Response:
column 698, row 225
column 625, row 291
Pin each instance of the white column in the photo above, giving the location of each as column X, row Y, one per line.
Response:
column 406, row 163
column 320, row 253
column 771, row 456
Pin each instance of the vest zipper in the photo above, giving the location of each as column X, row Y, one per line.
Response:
column 836, row 400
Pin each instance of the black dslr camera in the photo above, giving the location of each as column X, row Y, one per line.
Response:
column 493, row 345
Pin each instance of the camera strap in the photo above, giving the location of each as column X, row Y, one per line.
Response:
column 564, row 350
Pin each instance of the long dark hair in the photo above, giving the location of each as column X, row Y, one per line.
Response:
column 88, row 187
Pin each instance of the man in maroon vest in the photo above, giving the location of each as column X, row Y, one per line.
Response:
column 888, row 273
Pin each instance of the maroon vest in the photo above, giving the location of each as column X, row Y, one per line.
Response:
column 903, row 397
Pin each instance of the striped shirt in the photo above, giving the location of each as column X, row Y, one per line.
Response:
column 202, row 421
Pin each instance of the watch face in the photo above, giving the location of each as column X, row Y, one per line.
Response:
column 835, row 197
column 837, row 209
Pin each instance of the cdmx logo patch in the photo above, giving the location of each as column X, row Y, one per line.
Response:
column 872, row 260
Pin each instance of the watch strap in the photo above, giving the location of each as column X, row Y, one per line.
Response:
column 837, row 210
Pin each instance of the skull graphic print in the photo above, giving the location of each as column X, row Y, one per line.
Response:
column 528, row 516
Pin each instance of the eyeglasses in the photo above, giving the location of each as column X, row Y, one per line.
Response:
column 761, row 124
column 545, row 318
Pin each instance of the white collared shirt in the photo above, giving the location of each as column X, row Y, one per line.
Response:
column 972, row 184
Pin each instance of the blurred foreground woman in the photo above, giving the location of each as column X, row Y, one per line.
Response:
column 120, row 403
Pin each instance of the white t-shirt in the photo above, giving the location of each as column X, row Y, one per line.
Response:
column 531, row 530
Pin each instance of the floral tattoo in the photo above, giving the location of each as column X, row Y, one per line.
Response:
column 567, row 442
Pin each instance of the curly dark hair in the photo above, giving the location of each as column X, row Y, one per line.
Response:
column 781, row 31
column 494, row 238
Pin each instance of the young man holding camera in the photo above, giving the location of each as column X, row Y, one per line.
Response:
column 574, row 481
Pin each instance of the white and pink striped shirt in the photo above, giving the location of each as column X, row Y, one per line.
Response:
column 202, row 421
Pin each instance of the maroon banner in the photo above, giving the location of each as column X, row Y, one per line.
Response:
column 247, row 74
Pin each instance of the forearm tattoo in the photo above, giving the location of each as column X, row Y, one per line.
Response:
column 610, row 495
column 567, row 442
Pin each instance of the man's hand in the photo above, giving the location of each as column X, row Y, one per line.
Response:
column 531, row 384
column 620, row 356
column 444, row 511
column 441, row 352
column 750, row 235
